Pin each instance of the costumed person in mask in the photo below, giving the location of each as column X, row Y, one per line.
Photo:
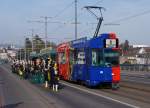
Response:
column 46, row 73
column 56, row 76
column 21, row 70
column 49, row 74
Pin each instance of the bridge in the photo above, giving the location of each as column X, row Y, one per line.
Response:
column 16, row 93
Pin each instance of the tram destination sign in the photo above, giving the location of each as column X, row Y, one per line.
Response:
column 111, row 43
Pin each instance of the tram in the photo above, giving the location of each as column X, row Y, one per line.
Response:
column 93, row 62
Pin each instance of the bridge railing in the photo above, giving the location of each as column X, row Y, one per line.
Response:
column 135, row 67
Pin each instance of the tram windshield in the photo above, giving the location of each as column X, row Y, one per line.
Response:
column 111, row 57
column 105, row 58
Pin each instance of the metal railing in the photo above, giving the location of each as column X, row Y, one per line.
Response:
column 135, row 67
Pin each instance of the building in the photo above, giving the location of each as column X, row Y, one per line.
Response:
column 138, row 54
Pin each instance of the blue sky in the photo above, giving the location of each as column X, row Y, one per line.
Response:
column 15, row 14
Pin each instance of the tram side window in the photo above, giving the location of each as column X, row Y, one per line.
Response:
column 97, row 58
column 62, row 58
column 80, row 58
column 71, row 57
column 94, row 57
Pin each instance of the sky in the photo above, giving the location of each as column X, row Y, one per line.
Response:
column 18, row 17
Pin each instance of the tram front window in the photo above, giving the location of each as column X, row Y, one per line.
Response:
column 111, row 58
column 105, row 58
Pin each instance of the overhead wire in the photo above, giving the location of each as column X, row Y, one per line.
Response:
column 99, row 1
column 131, row 17
column 119, row 20
column 64, row 9
column 116, row 22
column 58, row 14
column 69, row 22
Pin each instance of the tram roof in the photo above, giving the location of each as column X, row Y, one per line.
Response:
column 95, row 42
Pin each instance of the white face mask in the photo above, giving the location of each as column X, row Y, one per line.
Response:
column 56, row 72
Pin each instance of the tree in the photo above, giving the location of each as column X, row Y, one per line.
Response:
column 28, row 45
column 51, row 44
column 126, row 45
column 38, row 44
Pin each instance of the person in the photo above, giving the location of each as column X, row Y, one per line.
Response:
column 54, row 76
column 51, row 75
column 31, row 69
column 17, row 65
column 21, row 70
column 27, row 69
column 42, row 79
column 13, row 66
column 41, row 65
column 46, row 72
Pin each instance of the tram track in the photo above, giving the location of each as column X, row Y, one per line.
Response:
column 139, row 93
column 136, row 86
column 143, row 78
column 128, row 91
column 131, row 94
column 133, row 91
column 124, row 94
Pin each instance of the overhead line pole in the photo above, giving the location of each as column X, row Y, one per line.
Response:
column 20, row 53
column 46, row 31
column 25, row 57
column 32, row 34
column 46, row 24
column 32, row 38
column 76, row 19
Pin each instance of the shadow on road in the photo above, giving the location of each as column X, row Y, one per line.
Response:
column 15, row 105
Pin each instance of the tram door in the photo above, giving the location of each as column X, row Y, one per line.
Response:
column 71, row 62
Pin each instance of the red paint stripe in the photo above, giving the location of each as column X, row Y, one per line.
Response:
column 116, row 74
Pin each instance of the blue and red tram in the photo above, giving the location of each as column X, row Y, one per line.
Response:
column 93, row 62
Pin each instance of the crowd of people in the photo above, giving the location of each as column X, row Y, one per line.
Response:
column 46, row 67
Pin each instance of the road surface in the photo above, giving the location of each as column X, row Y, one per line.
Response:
column 16, row 93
